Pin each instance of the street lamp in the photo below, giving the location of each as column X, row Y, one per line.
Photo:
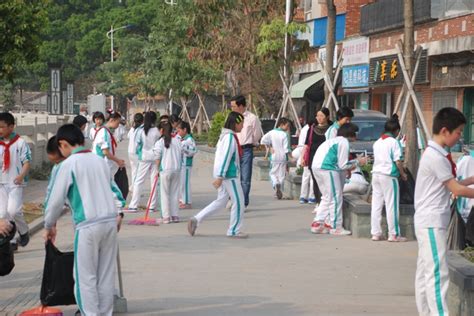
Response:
column 110, row 35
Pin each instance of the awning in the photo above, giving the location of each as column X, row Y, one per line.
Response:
column 299, row 88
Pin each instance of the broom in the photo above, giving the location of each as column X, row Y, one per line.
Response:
column 147, row 220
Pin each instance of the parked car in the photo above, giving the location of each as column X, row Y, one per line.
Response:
column 371, row 125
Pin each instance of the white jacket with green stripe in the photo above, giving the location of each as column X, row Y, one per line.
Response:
column 333, row 154
column 227, row 159
column 83, row 181
column 189, row 150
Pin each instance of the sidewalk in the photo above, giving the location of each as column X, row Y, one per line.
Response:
column 282, row 269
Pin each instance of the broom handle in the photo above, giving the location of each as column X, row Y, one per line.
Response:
column 151, row 197
column 119, row 270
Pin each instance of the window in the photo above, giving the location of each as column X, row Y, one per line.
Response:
column 442, row 99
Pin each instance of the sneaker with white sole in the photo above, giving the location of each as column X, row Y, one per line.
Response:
column 166, row 220
column 394, row 238
column 130, row 210
column 239, row 235
column 192, row 225
column 319, row 228
column 312, row 201
column 303, row 201
column 340, row 232
column 174, row 219
column 377, row 238
column 279, row 194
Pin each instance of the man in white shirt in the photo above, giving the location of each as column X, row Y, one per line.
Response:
column 249, row 137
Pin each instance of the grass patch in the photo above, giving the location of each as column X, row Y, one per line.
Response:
column 468, row 253
column 41, row 172
column 32, row 211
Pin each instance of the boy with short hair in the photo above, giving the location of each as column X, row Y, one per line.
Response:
column 343, row 116
column 15, row 159
column 84, row 180
column 435, row 180
column 278, row 140
column 330, row 165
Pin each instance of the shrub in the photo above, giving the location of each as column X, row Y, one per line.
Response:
column 217, row 123
column 41, row 172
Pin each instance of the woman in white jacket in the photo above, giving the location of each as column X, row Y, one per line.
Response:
column 132, row 144
column 227, row 181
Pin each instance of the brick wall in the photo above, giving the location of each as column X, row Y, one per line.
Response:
column 353, row 16
column 427, row 32
column 341, row 7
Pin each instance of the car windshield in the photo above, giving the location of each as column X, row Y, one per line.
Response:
column 369, row 130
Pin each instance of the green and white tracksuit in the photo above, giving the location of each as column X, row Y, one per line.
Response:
column 189, row 150
column 465, row 169
column 104, row 139
column 432, row 215
column 332, row 131
column 170, row 175
column 329, row 168
column 11, row 194
column 146, row 166
column 385, row 187
column 83, row 180
column 279, row 142
column 132, row 151
column 227, row 167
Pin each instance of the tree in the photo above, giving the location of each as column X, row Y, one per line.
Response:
column 330, row 46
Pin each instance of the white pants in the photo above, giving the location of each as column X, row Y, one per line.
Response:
column 278, row 173
column 11, row 204
column 233, row 189
column 307, row 185
column 385, row 190
column 133, row 166
column 186, row 194
column 95, row 252
column 331, row 184
column 169, row 192
column 144, row 169
column 355, row 188
column 432, row 274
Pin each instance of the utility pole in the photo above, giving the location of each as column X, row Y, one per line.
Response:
column 411, row 149
column 288, row 18
column 330, row 48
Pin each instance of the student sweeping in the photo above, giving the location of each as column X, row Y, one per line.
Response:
column 145, row 138
column 344, row 115
column 278, row 140
column 226, row 179
column 98, row 119
column 15, row 160
column 330, row 166
column 307, row 188
column 388, row 166
column 169, row 157
column 132, row 145
column 436, row 178
column 189, row 150
column 84, row 181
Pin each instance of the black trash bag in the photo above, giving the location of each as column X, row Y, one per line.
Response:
column 470, row 229
column 456, row 230
column 407, row 189
column 122, row 181
column 7, row 262
column 57, row 287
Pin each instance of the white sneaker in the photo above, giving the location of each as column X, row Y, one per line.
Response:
column 340, row 232
column 394, row 238
column 377, row 237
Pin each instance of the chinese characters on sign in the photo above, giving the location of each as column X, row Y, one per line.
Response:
column 355, row 51
column 355, row 76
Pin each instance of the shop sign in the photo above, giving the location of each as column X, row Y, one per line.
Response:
column 355, row 76
column 322, row 56
column 452, row 76
column 355, row 51
column 386, row 70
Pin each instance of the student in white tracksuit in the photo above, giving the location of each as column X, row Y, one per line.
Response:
column 435, row 179
column 104, row 144
column 84, row 182
column 465, row 169
column 279, row 142
column 330, row 166
column 388, row 166
column 189, row 150
column 15, row 160
column 307, row 191
column 344, row 115
column 132, row 145
column 356, row 184
column 98, row 120
column 226, row 173
column 145, row 140
column 169, row 156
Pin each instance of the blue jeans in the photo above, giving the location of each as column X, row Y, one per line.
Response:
column 246, row 163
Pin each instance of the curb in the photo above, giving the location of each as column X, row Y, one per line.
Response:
column 38, row 224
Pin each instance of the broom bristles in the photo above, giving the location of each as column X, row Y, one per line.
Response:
column 144, row 221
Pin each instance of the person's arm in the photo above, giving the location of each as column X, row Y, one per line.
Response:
column 158, row 152
column 458, row 189
column 398, row 154
column 229, row 148
column 401, row 169
column 5, row 227
column 467, row 181
column 25, row 158
column 108, row 154
column 189, row 147
column 257, row 131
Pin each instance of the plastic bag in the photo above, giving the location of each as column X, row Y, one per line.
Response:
column 407, row 189
column 57, row 287
column 456, row 230
column 7, row 262
column 470, row 229
column 122, row 181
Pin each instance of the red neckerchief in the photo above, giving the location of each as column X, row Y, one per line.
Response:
column 83, row 151
column 114, row 143
column 6, row 155
column 238, row 145
column 385, row 136
column 453, row 165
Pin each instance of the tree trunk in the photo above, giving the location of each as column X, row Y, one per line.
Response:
column 411, row 152
column 330, row 48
